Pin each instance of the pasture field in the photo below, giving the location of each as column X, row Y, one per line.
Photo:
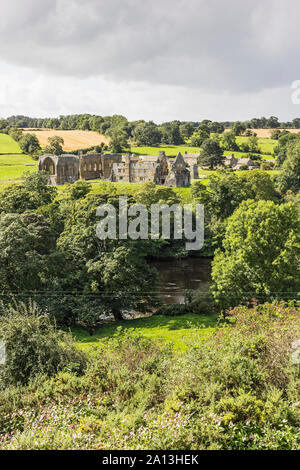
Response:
column 74, row 140
column 177, row 331
column 266, row 145
column 170, row 150
column 8, row 145
column 12, row 167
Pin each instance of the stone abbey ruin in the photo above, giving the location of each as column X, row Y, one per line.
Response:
column 159, row 169
column 130, row 168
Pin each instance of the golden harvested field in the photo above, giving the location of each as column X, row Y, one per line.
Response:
column 267, row 132
column 73, row 139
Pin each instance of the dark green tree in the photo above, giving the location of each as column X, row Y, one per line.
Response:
column 261, row 254
column 29, row 144
column 289, row 178
column 198, row 137
column 211, row 154
column 147, row 134
column 26, row 240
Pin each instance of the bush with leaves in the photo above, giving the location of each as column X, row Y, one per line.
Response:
column 34, row 192
column 33, row 345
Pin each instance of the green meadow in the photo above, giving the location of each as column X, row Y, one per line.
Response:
column 170, row 150
column 12, row 167
column 265, row 145
column 13, row 164
column 8, row 145
column 176, row 331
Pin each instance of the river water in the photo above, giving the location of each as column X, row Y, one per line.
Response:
column 176, row 276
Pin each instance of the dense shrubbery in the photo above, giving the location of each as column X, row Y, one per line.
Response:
column 33, row 345
column 237, row 390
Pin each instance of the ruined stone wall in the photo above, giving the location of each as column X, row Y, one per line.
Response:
column 113, row 167
column 67, row 169
column 142, row 172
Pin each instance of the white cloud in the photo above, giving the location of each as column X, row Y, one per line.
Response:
column 158, row 59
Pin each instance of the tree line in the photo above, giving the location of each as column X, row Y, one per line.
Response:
column 144, row 133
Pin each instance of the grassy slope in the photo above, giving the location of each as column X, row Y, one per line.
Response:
column 13, row 164
column 8, row 145
column 173, row 330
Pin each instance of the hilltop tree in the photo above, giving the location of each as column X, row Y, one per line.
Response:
column 284, row 141
column 211, row 154
column 113, row 274
column 55, row 144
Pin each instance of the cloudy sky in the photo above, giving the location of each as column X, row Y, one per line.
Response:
column 150, row 59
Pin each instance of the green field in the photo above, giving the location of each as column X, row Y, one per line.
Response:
column 177, row 331
column 265, row 145
column 8, row 145
column 12, row 161
column 12, row 167
column 170, row 150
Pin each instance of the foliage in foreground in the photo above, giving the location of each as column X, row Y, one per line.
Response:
column 33, row 345
column 237, row 390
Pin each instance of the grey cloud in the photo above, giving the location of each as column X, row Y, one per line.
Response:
column 208, row 44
